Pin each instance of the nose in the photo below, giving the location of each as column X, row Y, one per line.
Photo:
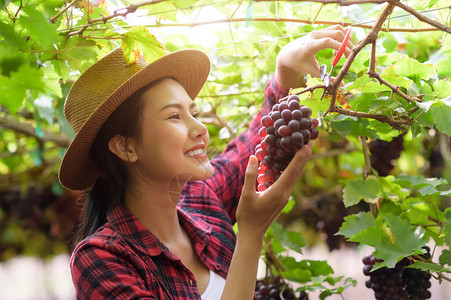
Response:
column 198, row 129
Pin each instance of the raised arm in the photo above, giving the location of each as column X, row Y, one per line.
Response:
column 297, row 58
column 257, row 210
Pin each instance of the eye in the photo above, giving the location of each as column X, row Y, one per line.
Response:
column 174, row 116
column 196, row 115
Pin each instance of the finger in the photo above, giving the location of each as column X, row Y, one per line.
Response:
column 291, row 174
column 250, row 176
column 337, row 35
column 324, row 43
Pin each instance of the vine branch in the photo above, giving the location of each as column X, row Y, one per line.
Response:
column 12, row 123
column 54, row 18
column 122, row 12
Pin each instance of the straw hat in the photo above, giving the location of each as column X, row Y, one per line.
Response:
column 103, row 87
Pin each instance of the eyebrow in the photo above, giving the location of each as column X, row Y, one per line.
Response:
column 178, row 105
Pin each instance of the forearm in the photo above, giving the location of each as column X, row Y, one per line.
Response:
column 241, row 278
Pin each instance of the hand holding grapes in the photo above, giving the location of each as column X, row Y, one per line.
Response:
column 257, row 210
column 297, row 58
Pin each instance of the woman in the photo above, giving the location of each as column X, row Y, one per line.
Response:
column 158, row 219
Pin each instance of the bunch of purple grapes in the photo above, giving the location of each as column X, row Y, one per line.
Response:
column 386, row 283
column 286, row 129
column 384, row 153
column 399, row 282
column 273, row 288
column 417, row 282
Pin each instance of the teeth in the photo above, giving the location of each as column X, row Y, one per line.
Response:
column 194, row 152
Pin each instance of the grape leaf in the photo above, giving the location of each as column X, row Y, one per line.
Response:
column 445, row 257
column 432, row 3
column 164, row 10
column 4, row 3
column 418, row 181
column 447, row 227
column 290, row 239
column 338, row 290
column 442, row 88
column 369, row 189
column 39, row 27
column 403, row 241
column 410, row 67
column 397, row 80
column 358, row 83
column 79, row 53
column 444, row 67
column 390, row 43
column 353, row 224
column 11, row 38
column 446, row 46
column 140, row 39
column 13, row 89
column 319, row 267
column 353, row 125
column 184, row 3
column 295, row 270
column 441, row 111
column 428, row 266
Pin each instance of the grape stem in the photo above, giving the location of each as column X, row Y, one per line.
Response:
column 368, row 170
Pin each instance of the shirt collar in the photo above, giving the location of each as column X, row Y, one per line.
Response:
column 139, row 237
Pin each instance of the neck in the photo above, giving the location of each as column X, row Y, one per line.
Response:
column 155, row 206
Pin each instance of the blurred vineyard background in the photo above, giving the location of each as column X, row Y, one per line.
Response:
column 45, row 45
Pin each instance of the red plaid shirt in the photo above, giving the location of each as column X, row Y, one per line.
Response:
column 124, row 260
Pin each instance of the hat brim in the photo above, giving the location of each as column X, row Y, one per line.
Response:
column 189, row 67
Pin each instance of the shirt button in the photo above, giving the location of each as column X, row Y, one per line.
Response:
column 191, row 282
column 218, row 267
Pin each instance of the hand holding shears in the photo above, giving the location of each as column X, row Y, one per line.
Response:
column 338, row 54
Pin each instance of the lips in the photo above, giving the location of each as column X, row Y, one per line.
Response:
column 196, row 151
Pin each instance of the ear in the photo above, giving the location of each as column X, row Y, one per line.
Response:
column 124, row 148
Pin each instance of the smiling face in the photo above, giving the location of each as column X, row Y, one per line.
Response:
column 173, row 141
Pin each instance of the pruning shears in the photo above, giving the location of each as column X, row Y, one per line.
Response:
column 338, row 54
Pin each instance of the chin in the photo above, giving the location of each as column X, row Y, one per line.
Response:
column 205, row 172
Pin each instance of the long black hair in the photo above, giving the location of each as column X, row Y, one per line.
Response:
column 109, row 189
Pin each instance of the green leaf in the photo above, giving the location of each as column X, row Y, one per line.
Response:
column 11, row 38
column 10, row 61
column 403, row 241
column 432, row 3
column 13, row 89
column 354, row 224
column 39, row 27
column 446, row 46
column 140, row 39
column 397, row 80
column 390, row 43
column 319, row 267
column 164, row 10
column 359, row 82
column 444, row 67
column 418, row 181
column 345, row 126
column 410, row 67
column 445, row 257
column 290, row 239
column 441, row 111
column 442, row 88
column 369, row 189
column 4, row 3
column 428, row 266
column 79, row 53
column 184, row 3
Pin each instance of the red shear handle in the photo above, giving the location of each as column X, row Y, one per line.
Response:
column 342, row 48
